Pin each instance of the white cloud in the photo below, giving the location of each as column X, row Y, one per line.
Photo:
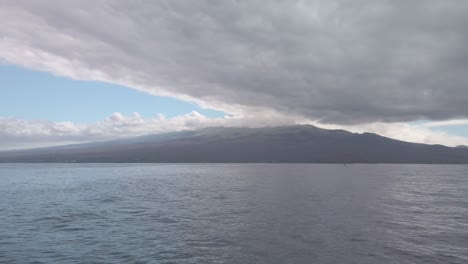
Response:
column 406, row 132
column 453, row 122
column 17, row 133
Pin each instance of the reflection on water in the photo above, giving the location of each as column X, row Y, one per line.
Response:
column 239, row 213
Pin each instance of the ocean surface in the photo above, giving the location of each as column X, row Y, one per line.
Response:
column 239, row 213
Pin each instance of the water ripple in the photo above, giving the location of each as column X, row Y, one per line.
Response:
column 243, row 213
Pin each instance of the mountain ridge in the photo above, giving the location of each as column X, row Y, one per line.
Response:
column 283, row 144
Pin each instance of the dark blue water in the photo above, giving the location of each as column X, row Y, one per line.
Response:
column 53, row 213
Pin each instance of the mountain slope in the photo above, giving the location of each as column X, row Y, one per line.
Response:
column 293, row 144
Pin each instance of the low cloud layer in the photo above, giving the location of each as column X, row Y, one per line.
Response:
column 17, row 133
column 334, row 61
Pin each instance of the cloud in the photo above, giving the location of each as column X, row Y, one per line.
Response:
column 333, row 61
column 454, row 122
column 18, row 133
column 406, row 132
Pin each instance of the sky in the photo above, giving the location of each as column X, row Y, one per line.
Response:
column 29, row 94
column 79, row 71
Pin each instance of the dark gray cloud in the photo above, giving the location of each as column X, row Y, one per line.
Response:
column 338, row 61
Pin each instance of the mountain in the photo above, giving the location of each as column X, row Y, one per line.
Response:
column 289, row 144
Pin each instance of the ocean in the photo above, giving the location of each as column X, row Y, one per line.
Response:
column 233, row 213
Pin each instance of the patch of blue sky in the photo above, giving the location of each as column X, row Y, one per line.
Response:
column 457, row 130
column 29, row 94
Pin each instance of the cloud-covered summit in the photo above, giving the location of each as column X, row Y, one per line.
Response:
column 18, row 133
column 337, row 61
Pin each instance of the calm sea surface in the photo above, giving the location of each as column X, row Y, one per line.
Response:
column 258, row 213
